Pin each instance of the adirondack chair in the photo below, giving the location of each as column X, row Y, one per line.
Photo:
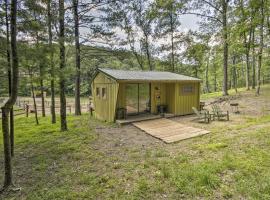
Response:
column 202, row 115
column 217, row 112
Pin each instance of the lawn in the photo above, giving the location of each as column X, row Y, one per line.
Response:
column 95, row 160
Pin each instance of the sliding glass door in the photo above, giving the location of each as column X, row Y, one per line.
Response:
column 137, row 98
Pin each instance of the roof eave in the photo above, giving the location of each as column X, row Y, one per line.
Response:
column 142, row 80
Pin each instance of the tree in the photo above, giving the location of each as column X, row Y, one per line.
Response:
column 144, row 22
column 62, row 65
column 260, row 54
column 216, row 12
column 49, row 23
column 34, row 25
column 77, row 58
column 246, row 28
column 8, row 180
column 11, row 123
column 134, row 18
column 166, row 13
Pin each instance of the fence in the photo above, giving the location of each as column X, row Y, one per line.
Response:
column 17, row 112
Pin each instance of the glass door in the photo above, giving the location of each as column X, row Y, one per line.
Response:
column 144, row 98
column 137, row 98
column 132, row 99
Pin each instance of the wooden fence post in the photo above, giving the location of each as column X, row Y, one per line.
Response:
column 27, row 110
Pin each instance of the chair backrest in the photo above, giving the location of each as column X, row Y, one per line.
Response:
column 196, row 111
column 216, row 109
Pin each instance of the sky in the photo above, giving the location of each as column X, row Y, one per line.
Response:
column 189, row 22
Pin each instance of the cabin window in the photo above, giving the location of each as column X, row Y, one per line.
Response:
column 97, row 92
column 187, row 89
column 103, row 93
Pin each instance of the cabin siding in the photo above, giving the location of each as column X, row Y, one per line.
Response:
column 184, row 102
column 170, row 97
column 105, row 107
column 157, row 89
column 121, row 102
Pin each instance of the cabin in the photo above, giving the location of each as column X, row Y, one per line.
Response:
column 120, row 94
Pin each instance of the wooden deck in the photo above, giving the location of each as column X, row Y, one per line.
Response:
column 141, row 117
column 169, row 131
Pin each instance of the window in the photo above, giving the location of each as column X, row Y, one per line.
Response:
column 187, row 89
column 103, row 93
column 97, row 92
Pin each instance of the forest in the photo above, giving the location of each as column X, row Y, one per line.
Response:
column 54, row 47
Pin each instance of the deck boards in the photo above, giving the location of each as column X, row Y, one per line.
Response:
column 169, row 131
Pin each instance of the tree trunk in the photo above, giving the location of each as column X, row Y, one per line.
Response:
column 78, row 59
column 11, row 123
column 62, row 65
column 247, row 44
column 51, row 62
column 33, row 94
column 247, row 48
column 253, row 60
column 42, row 92
column 225, row 53
column 148, row 52
column 7, row 153
column 207, row 74
column 172, row 43
column 234, row 74
column 260, row 50
column 12, row 99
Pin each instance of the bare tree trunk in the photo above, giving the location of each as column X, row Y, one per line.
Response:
column 225, row 53
column 42, row 92
column 148, row 52
column 33, row 94
column 247, row 46
column 11, row 123
column 247, row 43
column 260, row 50
column 62, row 65
column 234, row 74
column 172, row 43
column 215, row 77
column 78, row 59
column 207, row 74
column 12, row 99
column 51, row 62
column 253, row 60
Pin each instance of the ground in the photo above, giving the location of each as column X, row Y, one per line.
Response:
column 96, row 160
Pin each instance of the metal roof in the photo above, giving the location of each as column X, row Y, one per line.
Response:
column 146, row 75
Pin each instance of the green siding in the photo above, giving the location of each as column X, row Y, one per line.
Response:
column 157, row 89
column 185, row 102
column 105, row 107
column 170, row 97
column 121, row 102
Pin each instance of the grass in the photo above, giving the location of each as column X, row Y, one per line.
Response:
column 87, row 163
column 219, row 93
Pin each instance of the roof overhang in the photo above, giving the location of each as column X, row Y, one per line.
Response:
column 98, row 70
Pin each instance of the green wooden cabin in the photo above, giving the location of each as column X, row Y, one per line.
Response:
column 136, row 92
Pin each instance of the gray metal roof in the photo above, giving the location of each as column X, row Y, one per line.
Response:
column 146, row 75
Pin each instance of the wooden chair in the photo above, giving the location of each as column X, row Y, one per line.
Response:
column 217, row 112
column 202, row 115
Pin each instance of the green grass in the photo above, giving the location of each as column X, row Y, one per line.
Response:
column 231, row 92
column 81, row 164
column 219, row 93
